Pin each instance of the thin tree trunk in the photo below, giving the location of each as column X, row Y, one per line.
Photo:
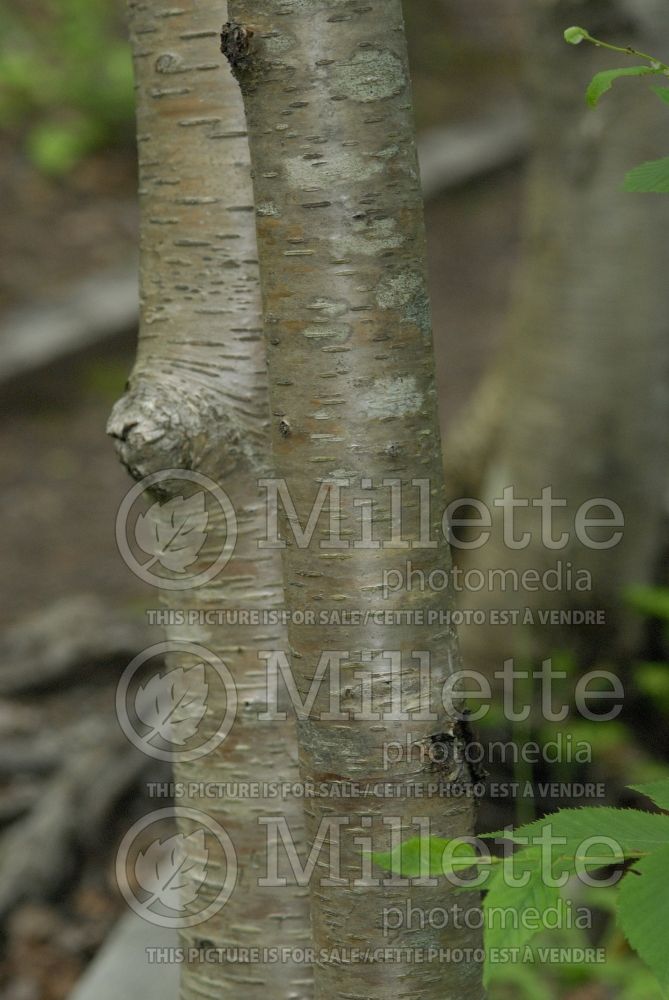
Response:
column 197, row 400
column 578, row 399
column 342, row 258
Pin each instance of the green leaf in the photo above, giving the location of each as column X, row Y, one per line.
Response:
column 602, row 82
column 420, row 857
column 636, row 832
column 524, row 981
column 651, row 601
column 575, row 35
column 662, row 93
column 649, row 178
column 643, row 911
column 515, row 914
column 657, row 792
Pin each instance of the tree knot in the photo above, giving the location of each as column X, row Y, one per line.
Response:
column 236, row 45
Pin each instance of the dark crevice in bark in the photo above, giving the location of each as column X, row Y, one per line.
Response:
column 236, row 46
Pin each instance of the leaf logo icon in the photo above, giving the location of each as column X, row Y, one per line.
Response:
column 173, row 871
column 173, row 532
column 173, row 704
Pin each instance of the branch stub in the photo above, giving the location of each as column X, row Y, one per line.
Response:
column 236, row 45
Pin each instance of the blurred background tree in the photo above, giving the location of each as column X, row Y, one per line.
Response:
column 576, row 398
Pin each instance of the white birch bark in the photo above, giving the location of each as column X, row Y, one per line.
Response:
column 197, row 400
column 342, row 258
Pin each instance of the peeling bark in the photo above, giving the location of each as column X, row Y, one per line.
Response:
column 347, row 321
column 197, row 400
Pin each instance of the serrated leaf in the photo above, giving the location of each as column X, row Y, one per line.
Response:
column 643, row 911
column 662, row 93
column 657, row 792
column 173, row 704
column 420, row 857
column 502, row 900
column 173, row 532
column 649, row 178
column 172, row 871
column 602, row 82
column 636, row 832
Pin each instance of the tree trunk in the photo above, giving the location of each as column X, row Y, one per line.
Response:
column 342, row 259
column 577, row 399
column 197, row 400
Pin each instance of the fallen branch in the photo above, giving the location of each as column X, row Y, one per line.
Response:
column 36, row 335
column 38, row 854
column 459, row 154
column 71, row 638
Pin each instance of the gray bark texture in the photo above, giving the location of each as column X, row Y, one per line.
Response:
column 342, row 258
column 578, row 398
column 197, row 400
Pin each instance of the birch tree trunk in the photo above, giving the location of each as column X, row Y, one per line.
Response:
column 197, row 400
column 347, row 321
column 577, row 399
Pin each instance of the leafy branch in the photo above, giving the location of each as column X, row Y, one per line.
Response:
column 651, row 177
column 530, row 879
